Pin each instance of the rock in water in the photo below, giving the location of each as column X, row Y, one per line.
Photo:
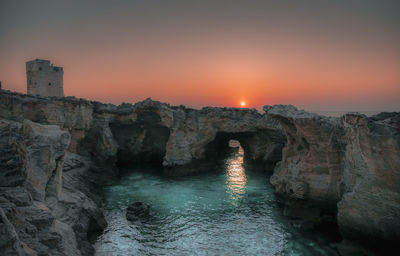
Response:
column 137, row 211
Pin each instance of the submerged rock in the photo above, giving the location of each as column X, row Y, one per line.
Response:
column 137, row 211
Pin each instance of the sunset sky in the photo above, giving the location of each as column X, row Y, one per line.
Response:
column 318, row 55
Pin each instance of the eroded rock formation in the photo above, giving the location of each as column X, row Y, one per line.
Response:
column 150, row 131
column 348, row 165
column 38, row 216
column 343, row 170
column 73, row 115
column 309, row 174
column 370, row 204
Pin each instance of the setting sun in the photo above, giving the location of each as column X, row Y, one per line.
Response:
column 242, row 104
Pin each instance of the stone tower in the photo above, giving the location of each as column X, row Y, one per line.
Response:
column 44, row 79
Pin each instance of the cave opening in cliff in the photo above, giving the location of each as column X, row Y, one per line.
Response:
column 141, row 142
column 259, row 150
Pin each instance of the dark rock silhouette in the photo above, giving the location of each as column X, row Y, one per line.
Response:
column 137, row 211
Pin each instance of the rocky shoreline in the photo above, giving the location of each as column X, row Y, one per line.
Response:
column 57, row 153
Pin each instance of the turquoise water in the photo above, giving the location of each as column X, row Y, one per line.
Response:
column 227, row 212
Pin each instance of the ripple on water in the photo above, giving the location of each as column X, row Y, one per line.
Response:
column 225, row 213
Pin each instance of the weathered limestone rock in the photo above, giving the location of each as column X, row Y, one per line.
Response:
column 353, row 162
column 16, row 195
column 370, row 206
column 310, row 169
column 32, row 194
column 12, row 172
column 32, row 156
column 9, row 240
column 70, row 114
column 209, row 121
column 79, row 214
column 154, row 132
column 199, row 135
column 149, row 131
column 99, row 142
column 45, row 146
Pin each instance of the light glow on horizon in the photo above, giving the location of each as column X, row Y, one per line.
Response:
column 313, row 55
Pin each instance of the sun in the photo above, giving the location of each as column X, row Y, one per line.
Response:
column 243, row 103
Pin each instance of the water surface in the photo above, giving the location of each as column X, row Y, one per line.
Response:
column 229, row 212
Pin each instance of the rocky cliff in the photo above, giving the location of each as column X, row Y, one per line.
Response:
column 38, row 216
column 71, row 114
column 309, row 174
column 348, row 166
column 326, row 170
column 370, row 202
column 150, row 131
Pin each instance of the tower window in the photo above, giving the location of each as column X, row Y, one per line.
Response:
column 49, row 83
column 40, row 68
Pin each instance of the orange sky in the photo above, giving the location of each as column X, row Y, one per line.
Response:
column 333, row 61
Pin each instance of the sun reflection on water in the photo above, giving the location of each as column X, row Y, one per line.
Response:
column 236, row 177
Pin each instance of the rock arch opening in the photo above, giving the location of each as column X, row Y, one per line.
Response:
column 141, row 141
column 262, row 149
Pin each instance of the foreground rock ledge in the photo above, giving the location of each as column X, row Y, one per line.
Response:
column 38, row 214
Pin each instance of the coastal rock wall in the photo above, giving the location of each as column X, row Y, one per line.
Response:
column 345, row 167
column 70, row 114
column 31, row 192
column 370, row 205
column 310, row 172
column 148, row 131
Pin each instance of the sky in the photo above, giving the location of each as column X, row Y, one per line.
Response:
column 317, row 55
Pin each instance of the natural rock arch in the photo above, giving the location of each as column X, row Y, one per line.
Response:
column 262, row 149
